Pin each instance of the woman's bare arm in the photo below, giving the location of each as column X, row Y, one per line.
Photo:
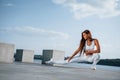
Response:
column 76, row 52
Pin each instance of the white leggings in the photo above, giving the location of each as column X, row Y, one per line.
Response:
column 89, row 58
column 83, row 58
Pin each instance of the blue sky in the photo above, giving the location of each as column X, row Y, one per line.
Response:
column 57, row 24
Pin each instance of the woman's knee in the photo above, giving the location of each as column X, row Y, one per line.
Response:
column 96, row 57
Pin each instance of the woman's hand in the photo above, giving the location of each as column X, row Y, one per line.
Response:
column 69, row 59
column 76, row 52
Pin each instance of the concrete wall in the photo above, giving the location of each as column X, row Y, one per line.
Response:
column 6, row 52
column 24, row 55
column 55, row 55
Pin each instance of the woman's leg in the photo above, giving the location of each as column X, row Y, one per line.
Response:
column 75, row 59
column 55, row 62
column 96, row 59
column 79, row 59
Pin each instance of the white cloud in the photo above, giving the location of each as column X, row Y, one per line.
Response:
column 32, row 31
column 9, row 4
column 85, row 8
column 59, row 1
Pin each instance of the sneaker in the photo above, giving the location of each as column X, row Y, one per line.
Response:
column 93, row 68
column 49, row 62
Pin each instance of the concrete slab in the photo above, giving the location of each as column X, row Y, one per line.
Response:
column 33, row 71
column 6, row 52
column 53, row 55
column 23, row 55
column 88, row 66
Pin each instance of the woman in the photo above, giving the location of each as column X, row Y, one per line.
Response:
column 87, row 50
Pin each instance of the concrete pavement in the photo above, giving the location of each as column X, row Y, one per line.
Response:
column 34, row 71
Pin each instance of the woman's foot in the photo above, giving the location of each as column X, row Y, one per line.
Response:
column 93, row 67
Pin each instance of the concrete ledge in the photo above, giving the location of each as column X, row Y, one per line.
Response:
column 24, row 55
column 6, row 52
column 54, row 55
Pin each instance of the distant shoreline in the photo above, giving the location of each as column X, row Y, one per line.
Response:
column 110, row 62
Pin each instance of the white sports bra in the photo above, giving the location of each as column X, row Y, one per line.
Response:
column 91, row 47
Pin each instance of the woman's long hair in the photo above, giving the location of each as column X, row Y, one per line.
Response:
column 82, row 41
